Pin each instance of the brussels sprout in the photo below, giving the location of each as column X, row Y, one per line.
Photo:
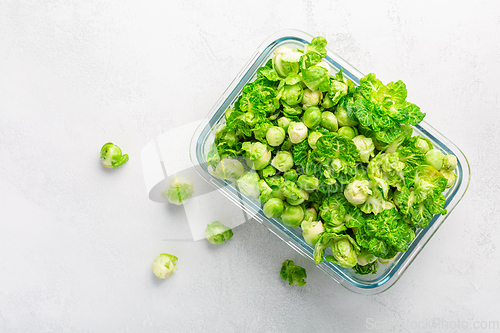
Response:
column 179, row 191
column 273, row 208
column 450, row 177
column 268, row 171
column 224, row 134
column 258, row 154
column 293, row 273
column 249, row 184
column 295, row 201
column 291, row 175
column 365, row 147
column 283, row 161
column 164, row 265
column 434, row 158
column 311, row 230
column 311, row 214
column 286, row 61
column 292, row 216
column 343, row 118
column 275, row 136
column 312, row 117
column 357, row 191
column 284, row 122
column 311, row 98
column 329, row 121
column 218, row 233
column 344, row 253
column 348, row 132
column 229, row 169
column 365, row 258
column 449, row 162
column 327, row 102
column 423, row 144
column 112, row 156
column 297, row 132
column 325, row 66
column 265, row 190
column 227, row 114
column 292, row 94
column 312, row 139
column 308, row 183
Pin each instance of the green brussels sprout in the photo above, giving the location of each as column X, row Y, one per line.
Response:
column 295, row 201
column 218, row 233
column 223, row 134
column 112, row 156
column 365, row 147
column 327, row 102
column 284, row 122
column 275, row 136
column 164, row 265
column 179, row 191
column 283, row 161
column 311, row 214
column 292, row 216
column 268, row 171
column 266, row 192
column 297, row 132
column 343, row 118
column 344, row 253
column 286, row 61
column 308, row 183
column 292, row 94
column 434, row 158
column 348, row 132
column 365, row 258
column 258, row 154
column 293, row 273
column 311, row 230
column 423, row 144
column 449, row 162
column 311, row 98
column 357, row 191
column 312, row 139
column 450, row 177
column 273, row 208
column 229, row 169
column 227, row 114
column 329, row 121
column 291, row 175
column 312, row 117
column 323, row 64
column 213, row 157
column 249, row 184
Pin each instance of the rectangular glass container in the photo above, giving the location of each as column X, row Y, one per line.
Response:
column 387, row 274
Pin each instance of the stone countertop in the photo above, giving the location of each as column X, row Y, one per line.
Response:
column 77, row 241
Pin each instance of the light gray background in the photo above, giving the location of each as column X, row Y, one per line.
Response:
column 77, row 241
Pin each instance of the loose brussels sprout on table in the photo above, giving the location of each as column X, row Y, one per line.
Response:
column 293, row 273
column 335, row 158
column 218, row 233
column 164, row 265
column 179, row 191
column 112, row 156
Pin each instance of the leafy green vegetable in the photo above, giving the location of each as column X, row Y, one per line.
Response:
column 112, row 156
column 164, row 265
column 218, row 233
column 293, row 273
column 334, row 158
column 180, row 189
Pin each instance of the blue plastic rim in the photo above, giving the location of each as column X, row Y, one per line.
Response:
column 388, row 274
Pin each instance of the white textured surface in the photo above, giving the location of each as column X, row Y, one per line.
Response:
column 77, row 241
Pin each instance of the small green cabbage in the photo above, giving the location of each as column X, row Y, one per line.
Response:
column 449, row 162
column 434, row 158
column 112, row 156
column 273, row 208
column 312, row 139
column 311, row 214
column 365, row 147
column 218, row 233
column 297, row 132
column 311, row 98
column 283, row 161
column 450, row 178
column 308, row 183
column 311, row 230
column 258, row 154
column 312, row 117
column 179, row 191
column 229, row 169
column 343, row 118
column 284, row 122
column 348, row 132
column 329, row 121
column 164, row 265
column 357, row 191
column 249, row 184
column 293, row 273
column 275, row 136
column 292, row 216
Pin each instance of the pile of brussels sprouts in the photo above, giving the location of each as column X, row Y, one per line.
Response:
column 333, row 158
